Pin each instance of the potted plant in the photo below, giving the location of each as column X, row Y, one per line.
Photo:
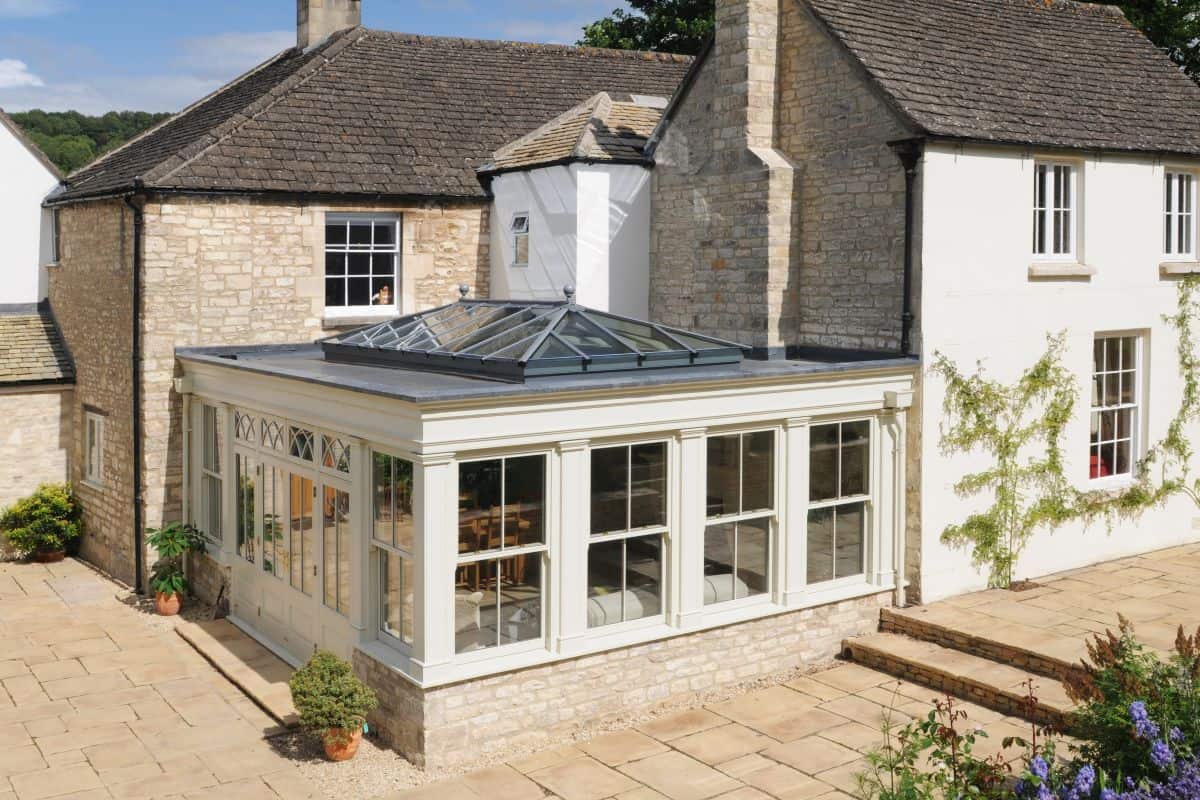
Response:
column 42, row 525
column 167, row 578
column 332, row 703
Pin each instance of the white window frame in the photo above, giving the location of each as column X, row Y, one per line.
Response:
column 93, row 449
column 209, row 475
column 379, row 552
column 521, row 232
column 1179, row 214
column 866, row 499
column 395, row 250
column 1046, row 207
column 1135, row 407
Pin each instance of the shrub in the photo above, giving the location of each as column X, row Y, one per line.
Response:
column 329, row 697
column 45, row 522
column 172, row 543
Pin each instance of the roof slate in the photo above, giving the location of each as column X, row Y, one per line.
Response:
column 1042, row 72
column 32, row 350
column 373, row 113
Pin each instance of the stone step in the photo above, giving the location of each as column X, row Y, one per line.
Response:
column 991, row 684
column 1034, row 650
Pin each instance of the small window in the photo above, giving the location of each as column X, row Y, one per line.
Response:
column 1116, row 397
column 741, row 503
column 93, row 450
column 1054, row 215
column 335, row 512
column 392, row 540
column 362, row 261
column 211, row 445
column 520, row 240
column 839, row 487
column 1179, row 215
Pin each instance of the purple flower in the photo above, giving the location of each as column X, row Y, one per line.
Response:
column 1145, row 727
column 1085, row 779
column 1161, row 755
column 1175, row 735
column 1108, row 794
column 1039, row 767
column 1044, row 793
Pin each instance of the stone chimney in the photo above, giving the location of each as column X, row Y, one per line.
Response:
column 746, row 54
column 317, row 20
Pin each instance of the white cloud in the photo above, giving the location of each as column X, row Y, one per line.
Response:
column 15, row 74
column 226, row 55
column 31, row 8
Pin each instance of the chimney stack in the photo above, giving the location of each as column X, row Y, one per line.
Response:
column 317, row 20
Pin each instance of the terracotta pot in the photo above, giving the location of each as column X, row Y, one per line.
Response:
column 342, row 744
column 49, row 556
column 167, row 605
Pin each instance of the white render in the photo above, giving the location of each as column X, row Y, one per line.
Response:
column 25, row 227
column 979, row 303
column 589, row 228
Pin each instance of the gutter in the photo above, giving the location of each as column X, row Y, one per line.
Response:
column 136, row 203
column 301, row 197
column 909, row 151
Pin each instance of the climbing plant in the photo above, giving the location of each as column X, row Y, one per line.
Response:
column 1019, row 427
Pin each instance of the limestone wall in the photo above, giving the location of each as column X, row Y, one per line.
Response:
column 35, row 439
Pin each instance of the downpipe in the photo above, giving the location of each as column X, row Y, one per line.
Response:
column 136, row 203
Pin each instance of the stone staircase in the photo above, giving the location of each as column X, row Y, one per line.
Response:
column 968, row 655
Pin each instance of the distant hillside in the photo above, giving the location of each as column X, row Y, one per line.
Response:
column 71, row 139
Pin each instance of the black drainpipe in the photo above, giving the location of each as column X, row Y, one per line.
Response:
column 136, row 203
column 909, row 152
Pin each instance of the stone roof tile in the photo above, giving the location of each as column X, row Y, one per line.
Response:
column 32, row 350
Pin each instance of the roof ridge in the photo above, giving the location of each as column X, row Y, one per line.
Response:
column 28, row 143
column 633, row 55
column 587, row 134
column 570, row 113
column 319, row 57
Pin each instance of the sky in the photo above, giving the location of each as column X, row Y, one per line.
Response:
column 95, row 56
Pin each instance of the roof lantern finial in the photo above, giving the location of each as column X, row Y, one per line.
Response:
column 463, row 291
column 569, row 292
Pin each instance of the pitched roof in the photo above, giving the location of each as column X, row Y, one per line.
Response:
column 7, row 122
column 1042, row 72
column 602, row 128
column 372, row 112
column 32, row 350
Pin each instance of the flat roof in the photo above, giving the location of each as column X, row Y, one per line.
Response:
column 306, row 362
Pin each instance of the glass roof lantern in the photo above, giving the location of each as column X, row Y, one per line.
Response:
column 517, row 339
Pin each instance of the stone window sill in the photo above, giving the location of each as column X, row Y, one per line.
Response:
column 52, row 265
column 356, row 321
column 1172, row 268
column 1060, row 269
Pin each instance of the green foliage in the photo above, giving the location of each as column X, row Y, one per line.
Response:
column 172, row 543
column 1120, row 672
column 46, row 521
column 329, row 697
column 669, row 26
column 1019, row 427
column 71, row 139
column 1173, row 25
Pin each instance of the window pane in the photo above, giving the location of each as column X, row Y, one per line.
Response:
column 820, row 545
column 1128, row 387
column 648, row 489
column 381, row 292
column 335, row 234
column 360, row 233
column 718, row 563
column 335, row 264
column 643, row 577
column 823, row 463
column 212, row 439
column 520, row 599
column 360, row 264
column 329, row 546
column 303, row 553
column 521, row 248
column 758, row 471
column 245, row 507
column 723, row 475
column 610, row 493
column 1112, row 389
column 1129, row 352
column 335, row 292
column 383, row 265
column 605, row 575
column 211, row 492
column 381, row 482
column 478, row 506
column 753, row 557
column 402, row 472
column 397, row 583
column 525, row 496
column 344, row 550
column 850, row 539
column 475, row 606
column 385, row 234
column 1112, row 354
column 856, row 451
column 359, row 291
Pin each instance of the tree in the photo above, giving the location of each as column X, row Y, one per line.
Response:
column 71, row 139
column 669, row 26
column 1173, row 25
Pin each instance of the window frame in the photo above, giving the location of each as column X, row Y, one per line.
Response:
column 93, row 448
column 396, row 220
column 208, row 474
column 55, row 237
column 515, row 237
column 1173, row 217
column 379, row 551
column 1136, row 406
column 866, row 499
column 1043, row 212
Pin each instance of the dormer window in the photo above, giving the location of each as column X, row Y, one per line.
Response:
column 1054, row 210
column 520, row 240
column 1179, row 239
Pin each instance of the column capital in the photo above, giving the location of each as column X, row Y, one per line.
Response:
column 433, row 459
column 693, row 433
column 797, row 422
column 574, row 445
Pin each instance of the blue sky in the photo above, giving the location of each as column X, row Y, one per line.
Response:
column 159, row 55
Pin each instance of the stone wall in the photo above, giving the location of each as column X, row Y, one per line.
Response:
column 91, row 296
column 35, row 439
column 520, row 711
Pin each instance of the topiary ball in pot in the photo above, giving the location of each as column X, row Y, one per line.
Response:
column 332, row 703
column 43, row 524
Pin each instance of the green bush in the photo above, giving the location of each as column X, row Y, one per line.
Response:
column 172, row 543
column 329, row 697
column 45, row 522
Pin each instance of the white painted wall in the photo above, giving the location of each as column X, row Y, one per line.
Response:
column 979, row 304
column 24, row 226
column 589, row 227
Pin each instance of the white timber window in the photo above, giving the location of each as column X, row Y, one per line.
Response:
column 362, row 263
column 520, row 239
column 1055, row 216
column 212, row 442
column 498, row 584
column 628, row 523
column 1179, row 240
column 93, row 449
column 392, row 541
column 839, row 492
column 1116, row 398
column 740, row 492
